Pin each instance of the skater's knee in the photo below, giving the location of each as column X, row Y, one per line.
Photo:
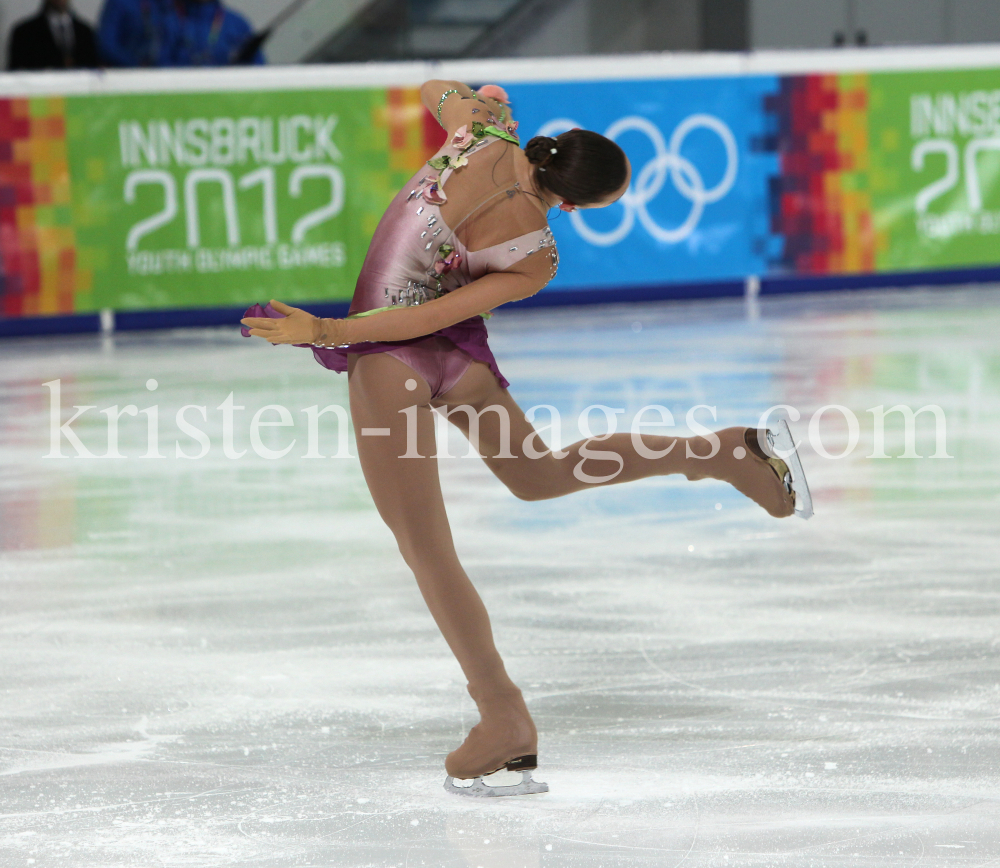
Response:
column 533, row 480
column 412, row 554
column 527, row 492
column 424, row 548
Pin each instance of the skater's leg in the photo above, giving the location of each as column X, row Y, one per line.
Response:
column 508, row 442
column 407, row 494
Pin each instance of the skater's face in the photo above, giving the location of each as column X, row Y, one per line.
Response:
column 611, row 198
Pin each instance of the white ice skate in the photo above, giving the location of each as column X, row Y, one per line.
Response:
column 781, row 444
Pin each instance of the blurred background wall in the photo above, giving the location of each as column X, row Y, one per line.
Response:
column 259, row 12
column 357, row 30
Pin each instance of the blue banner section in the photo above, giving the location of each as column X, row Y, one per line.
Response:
column 697, row 208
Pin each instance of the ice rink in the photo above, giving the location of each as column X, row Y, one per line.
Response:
column 224, row 662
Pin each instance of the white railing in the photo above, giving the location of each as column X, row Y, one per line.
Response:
column 658, row 65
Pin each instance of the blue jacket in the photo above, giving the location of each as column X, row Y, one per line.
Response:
column 136, row 33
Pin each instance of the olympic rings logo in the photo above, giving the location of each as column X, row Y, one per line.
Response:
column 646, row 186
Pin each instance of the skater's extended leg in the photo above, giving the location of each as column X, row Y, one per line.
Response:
column 402, row 476
column 508, row 442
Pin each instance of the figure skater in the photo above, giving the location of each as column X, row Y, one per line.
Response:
column 465, row 235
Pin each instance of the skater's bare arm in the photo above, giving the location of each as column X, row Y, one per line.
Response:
column 400, row 324
column 478, row 297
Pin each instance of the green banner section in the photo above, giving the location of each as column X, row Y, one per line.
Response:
column 191, row 200
column 934, row 168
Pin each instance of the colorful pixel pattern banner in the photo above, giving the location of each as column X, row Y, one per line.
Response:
column 163, row 201
column 169, row 200
column 783, row 175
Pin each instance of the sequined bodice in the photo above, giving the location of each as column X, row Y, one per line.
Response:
column 415, row 256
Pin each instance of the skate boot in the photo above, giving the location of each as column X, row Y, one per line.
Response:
column 781, row 497
column 775, row 447
column 784, row 458
column 504, row 738
column 743, row 463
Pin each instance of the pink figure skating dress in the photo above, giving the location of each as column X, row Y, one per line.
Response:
column 415, row 256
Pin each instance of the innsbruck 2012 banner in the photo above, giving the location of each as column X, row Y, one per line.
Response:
column 187, row 200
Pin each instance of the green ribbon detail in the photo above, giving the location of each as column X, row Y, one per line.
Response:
column 501, row 134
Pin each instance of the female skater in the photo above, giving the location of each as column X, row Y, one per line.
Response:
column 468, row 233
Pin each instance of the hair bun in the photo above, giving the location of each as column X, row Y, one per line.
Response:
column 584, row 167
column 541, row 150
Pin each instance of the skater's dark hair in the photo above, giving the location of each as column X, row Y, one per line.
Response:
column 581, row 166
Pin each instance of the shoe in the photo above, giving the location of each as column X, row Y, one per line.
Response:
column 504, row 738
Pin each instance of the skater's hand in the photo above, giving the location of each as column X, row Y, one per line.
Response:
column 296, row 327
column 494, row 91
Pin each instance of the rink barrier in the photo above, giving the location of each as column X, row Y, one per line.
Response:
column 125, row 191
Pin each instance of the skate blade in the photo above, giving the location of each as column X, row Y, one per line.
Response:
column 479, row 789
column 783, row 445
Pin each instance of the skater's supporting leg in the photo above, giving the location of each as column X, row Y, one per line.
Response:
column 407, row 494
column 599, row 461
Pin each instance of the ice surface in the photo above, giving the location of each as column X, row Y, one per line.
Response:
column 225, row 662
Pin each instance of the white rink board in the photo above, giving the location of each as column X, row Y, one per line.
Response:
column 657, row 65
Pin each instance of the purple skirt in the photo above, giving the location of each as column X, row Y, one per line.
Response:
column 469, row 335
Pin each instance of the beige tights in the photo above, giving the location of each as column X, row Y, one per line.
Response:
column 407, row 494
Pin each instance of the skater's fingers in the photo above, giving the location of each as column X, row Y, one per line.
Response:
column 281, row 307
column 494, row 91
column 264, row 333
column 261, row 323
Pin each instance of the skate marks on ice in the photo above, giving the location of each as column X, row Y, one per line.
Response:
column 711, row 687
column 14, row 761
